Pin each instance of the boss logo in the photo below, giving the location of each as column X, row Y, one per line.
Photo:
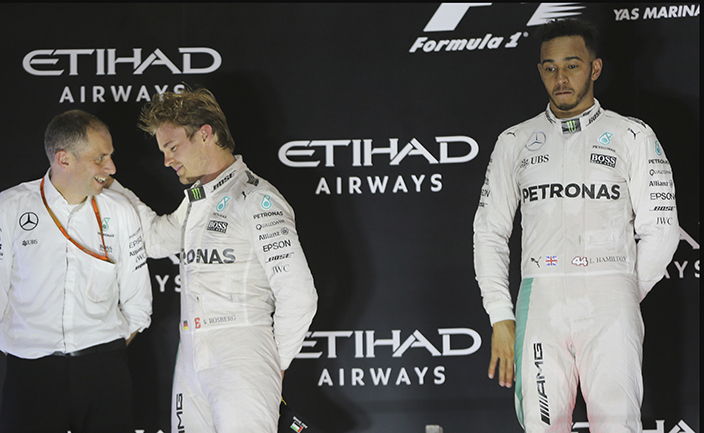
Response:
column 609, row 161
column 217, row 226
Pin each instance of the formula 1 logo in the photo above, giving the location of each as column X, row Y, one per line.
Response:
column 448, row 16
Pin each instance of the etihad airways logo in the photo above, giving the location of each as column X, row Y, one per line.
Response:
column 355, row 347
column 448, row 16
column 105, row 61
column 363, row 153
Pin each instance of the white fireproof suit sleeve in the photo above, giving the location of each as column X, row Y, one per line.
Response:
column 493, row 224
column 294, row 291
column 162, row 234
column 658, row 230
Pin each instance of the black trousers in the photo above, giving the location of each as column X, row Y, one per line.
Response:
column 91, row 393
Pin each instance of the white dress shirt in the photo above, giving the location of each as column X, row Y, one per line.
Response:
column 55, row 297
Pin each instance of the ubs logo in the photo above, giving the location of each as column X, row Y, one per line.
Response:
column 28, row 221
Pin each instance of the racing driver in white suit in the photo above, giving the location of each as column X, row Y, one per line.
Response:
column 247, row 295
column 588, row 181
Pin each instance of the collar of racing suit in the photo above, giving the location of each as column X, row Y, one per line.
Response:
column 577, row 123
column 199, row 191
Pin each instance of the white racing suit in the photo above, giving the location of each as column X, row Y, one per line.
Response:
column 247, row 300
column 585, row 186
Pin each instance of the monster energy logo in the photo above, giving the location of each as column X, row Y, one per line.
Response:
column 571, row 126
column 195, row 194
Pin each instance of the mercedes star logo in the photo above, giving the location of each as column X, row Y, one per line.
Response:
column 28, row 221
column 537, row 141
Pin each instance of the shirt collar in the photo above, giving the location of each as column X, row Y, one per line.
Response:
column 199, row 191
column 577, row 123
column 53, row 196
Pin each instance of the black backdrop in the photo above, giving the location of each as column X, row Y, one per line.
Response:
column 376, row 123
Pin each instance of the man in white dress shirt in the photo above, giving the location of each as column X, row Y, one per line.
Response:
column 74, row 288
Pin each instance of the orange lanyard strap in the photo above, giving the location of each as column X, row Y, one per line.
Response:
column 65, row 233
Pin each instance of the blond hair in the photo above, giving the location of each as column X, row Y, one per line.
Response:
column 190, row 109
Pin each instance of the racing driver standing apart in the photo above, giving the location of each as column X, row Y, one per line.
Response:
column 588, row 180
column 247, row 295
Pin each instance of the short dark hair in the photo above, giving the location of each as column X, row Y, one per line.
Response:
column 69, row 131
column 570, row 27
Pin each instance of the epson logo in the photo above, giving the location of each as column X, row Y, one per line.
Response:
column 609, row 161
column 360, row 152
column 662, row 196
column 276, row 245
column 105, row 60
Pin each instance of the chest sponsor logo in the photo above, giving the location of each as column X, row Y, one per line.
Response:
column 209, row 257
column 266, row 202
column 281, row 268
column 284, row 231
column 605, row 138
column 268, row 214
column 276, row 245
column 279, row 257
column 135, row 242
column 607, row 160
column 662, row 196
column 536, row 141
column 538, row 159
column 273, row 223
column 223, row 203
column 572, row 190
column 28, row 221
column 217, row 226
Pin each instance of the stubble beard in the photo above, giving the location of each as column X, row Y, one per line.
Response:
column 580, row 96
